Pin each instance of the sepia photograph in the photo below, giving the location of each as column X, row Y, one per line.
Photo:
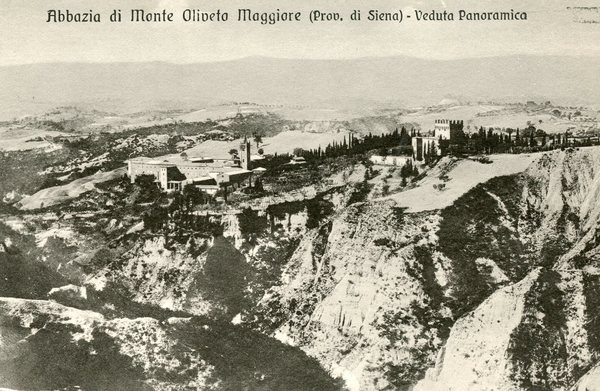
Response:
column 309, row 195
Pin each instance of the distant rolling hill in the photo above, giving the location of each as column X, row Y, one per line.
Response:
column 127, row 87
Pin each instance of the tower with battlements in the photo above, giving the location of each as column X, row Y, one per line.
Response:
column 447, row 129
column 445, row 132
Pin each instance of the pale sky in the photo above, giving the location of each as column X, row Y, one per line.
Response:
column 25, row 37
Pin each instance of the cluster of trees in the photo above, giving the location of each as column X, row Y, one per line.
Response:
column 509, row 140
column 257, row 138
column 178, row 212
column 486, row 141
column 397, row 142
column 430, row 152
column 145, row 189
column 408, row 170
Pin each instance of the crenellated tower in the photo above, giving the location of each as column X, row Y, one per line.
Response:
column 447, row 129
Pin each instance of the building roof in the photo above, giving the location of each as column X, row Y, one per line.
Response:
column 239, row 175
column 205, row 181
column 238, row 172
column 147, row 160
column 179, row 161
column 296, row 160
column 173, row 174
column 200, row 159
column 426, row 137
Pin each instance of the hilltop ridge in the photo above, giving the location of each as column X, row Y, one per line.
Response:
column 361, row 82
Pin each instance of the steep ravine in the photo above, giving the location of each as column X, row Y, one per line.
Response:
column 130, row 326
column 505, row 279
column 48, row 346
column 217, row 274
column 497, row 290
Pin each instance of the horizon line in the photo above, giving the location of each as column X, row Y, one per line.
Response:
column 586, row 56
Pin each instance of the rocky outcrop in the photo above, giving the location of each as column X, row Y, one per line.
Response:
column 221, row 275
column 71, row 295
column 530, row 335
column 590, row 381
column 496, row 289
column 474, row 357
column 45, row 345
column 493, row 292
column 352, row 284
column 159, row 273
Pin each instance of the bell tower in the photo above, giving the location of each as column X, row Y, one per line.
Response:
column 245, row 154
